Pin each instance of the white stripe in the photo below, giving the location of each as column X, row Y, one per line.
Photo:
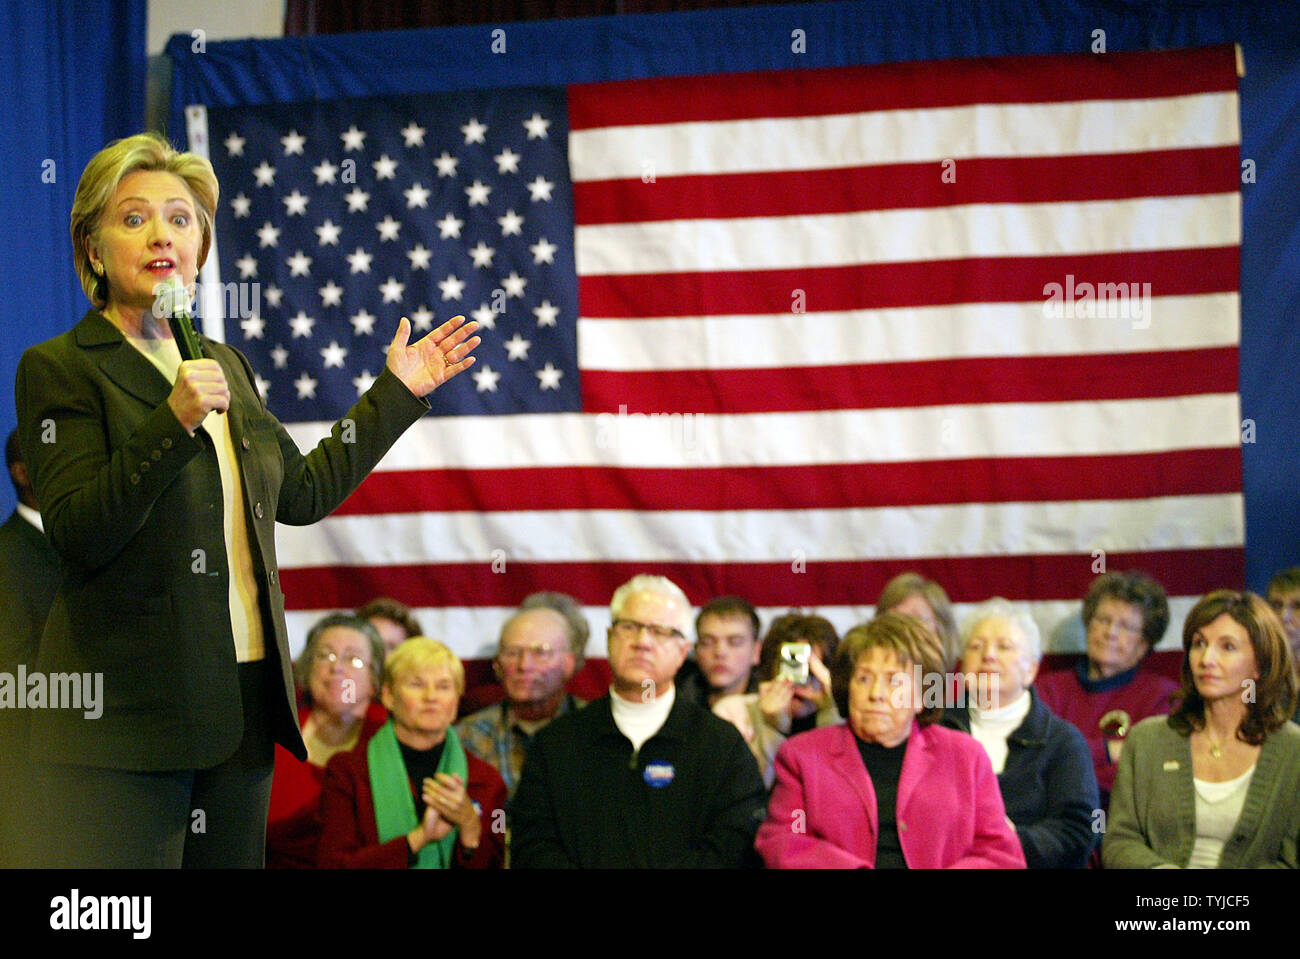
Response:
column 905, row 136
column 839, row 436
column 910, row 235
column 471, row 631
column 805, row 536
column 832, row 338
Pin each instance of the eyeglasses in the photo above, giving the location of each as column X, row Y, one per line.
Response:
column 331, row 657
column 630, row 629
column 1104, row 623
column 1284, row 606
column 516, row 654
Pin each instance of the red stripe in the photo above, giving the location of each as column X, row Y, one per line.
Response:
column 883, row 285
column 1183, row 572
column 910, row 185
column 1015, row 379
column 787, row 93
column 824, row 486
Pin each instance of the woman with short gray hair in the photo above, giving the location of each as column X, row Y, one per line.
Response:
column 1042, row 762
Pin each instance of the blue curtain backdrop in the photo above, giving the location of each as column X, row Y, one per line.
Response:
column 75, row 78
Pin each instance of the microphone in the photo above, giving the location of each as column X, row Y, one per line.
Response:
column 173, row 301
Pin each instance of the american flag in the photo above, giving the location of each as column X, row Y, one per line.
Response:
column 782, row 334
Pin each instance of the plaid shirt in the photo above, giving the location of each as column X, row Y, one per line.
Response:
column 490, row 735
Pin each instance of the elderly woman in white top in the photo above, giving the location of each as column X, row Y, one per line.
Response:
column 1042, row 763
column 1214, row 784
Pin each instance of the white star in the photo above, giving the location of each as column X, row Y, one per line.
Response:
column 449, row 227
column 325, row 172
column 388, row 228
column 247, row 266
column 265, row 174
column 392, row 290
column 543, row 251
column 253, row 327
column 536, row 127
column 413, row 134
column 279, row 357
column 546, row 313
column 485, row 316
column 385, row 168
column 235, row 144
column 451, row 287
column 419, row 256
column 514, row 284
column 357, row 200
column 446, row 164
column 301, row 325
column 363, row 382
column 540, row 189
column 416, row 196
column 422, row 319
column 482, row 254
column 333, row 355
column 478, row 193
column 329, row 233
column 293, row 142
column 306, row 386
column 331, row 294
column 363, row 323
column 241, row 205
column 517, row 347
column 273, row 296
column 474, row 131
column 360, row 261
column 549, row 377
column 268, row 235
column 299, row 265
column 263, row 385
column 295, row 203
column 511, row 223
column 507, row 161
column 353, row 139
column 485, row 380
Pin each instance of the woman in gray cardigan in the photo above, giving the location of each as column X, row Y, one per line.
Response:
column 1214, row 784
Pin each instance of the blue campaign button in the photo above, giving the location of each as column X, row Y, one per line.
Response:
column 658, row 774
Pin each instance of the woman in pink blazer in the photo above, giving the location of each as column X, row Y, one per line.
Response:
column 888, row 789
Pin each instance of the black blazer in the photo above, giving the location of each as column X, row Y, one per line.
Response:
column 129, row 499
column 29, row 576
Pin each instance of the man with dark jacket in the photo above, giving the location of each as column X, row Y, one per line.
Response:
column 640, row 778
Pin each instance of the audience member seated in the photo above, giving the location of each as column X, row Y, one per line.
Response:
column 925, row 599
column 1214, row 784
column 535, row 659
column 889, row 789
column 640, row 778
column 726, row 652
column 1284, row 597
column 1043, row 765
column 1106, row 693
column 412, row 797
column 339, row 672
column 781, row 707
column 395, row 621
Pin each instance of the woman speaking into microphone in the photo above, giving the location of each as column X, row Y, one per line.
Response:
column 160, row 482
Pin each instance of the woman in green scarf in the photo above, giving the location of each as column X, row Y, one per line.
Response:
column 412, row 797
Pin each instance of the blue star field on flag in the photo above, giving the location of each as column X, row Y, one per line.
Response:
column 348, row 215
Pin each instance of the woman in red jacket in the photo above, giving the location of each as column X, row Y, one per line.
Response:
column 887, row 790
column 412, row 796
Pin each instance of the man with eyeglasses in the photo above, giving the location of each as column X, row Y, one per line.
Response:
column 536, row 657
column 641, row 778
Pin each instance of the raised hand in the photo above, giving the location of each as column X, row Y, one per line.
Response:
column 428, row 363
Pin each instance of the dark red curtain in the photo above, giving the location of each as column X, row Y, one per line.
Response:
column 314, row 17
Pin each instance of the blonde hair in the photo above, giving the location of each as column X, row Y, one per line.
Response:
column 421, row 652
column 105, row 173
